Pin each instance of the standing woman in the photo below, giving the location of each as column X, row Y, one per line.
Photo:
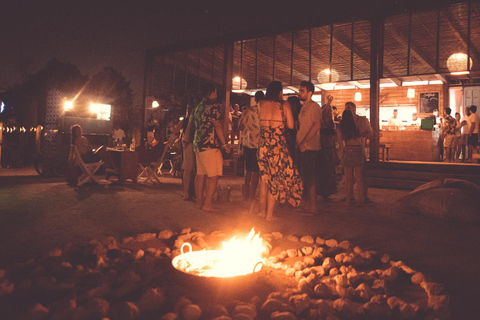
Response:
column 353, row 156
column 280, row 180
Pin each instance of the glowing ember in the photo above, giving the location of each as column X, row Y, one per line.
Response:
column 238, row 257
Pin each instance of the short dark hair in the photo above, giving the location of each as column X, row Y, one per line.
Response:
column 473, row 109
column 334, row 108
column 307, row 84
column 273, row 91
column 395, row 110
column 259, row 95
column 448, row 111
column 208, row 88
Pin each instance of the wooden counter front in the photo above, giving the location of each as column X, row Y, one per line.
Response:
column 412, row 145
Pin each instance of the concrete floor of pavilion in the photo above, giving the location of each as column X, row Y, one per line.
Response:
column 38, row 214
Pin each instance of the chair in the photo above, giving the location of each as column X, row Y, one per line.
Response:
column 88, row 169
column 150, row 171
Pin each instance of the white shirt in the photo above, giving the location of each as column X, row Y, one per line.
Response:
column 118, row 134
column 394, row 122
column 474, row 118
column 465, row 127
column 310, row 113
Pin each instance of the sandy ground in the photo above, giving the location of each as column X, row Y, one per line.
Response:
column 38, row 214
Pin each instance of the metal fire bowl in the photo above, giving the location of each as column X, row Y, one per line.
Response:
column 222, row 286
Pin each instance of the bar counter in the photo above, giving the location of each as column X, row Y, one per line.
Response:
column 412, row 145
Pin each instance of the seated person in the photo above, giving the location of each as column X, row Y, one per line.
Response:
column 88, row 154
column 151, row 151
column 118, row 135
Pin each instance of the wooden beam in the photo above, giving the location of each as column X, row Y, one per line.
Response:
column 441, row 77
column 415, row 51
column 463, row 38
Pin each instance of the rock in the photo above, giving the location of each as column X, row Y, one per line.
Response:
column 55, row 253
column 339, row 257
column 110, row 243
column 333, row 272
column 320, row 241
column 169, row 316
column 201, row 243
column 142, row 237
column 96, row 308
column 165, row 234
column 6, row 287
column 439, row 303
column 36, row 312
column 186, row 230
column 408, row 310
column 151, row 251
column 304, row 286
column 281, row 296
column 390, row 274
column 225, row 317
column 151, row 300
column 344, row 245
column 307, row 250
column 277, row 235
column 377, row 308
column 138, row 254
column 309, row 261
column 127, row 240
column 432, row 288
column 181, row 302
column 272, row 305
column 242, row 316
column 307, row 239
column 299, row 265
column 357, row 250
column 62, row 309
column 299, row 275
column 100, row 291
column 191, row 312
column 292, row 253
column 332, row 243
column 299, row 303
column 345, row 292
column 318, row 270
column 101, row 263
column 246, row 309
column 341, row 280
column 283, row 316
column 126, row 311
column 347, row 307
column 292, row 238
column 328, row 263
column 363, row 292
column 290, row 272
column 197, row 234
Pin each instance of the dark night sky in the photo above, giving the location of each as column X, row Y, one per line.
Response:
column 94, row 34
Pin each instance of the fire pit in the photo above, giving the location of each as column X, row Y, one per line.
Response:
column 239, row 257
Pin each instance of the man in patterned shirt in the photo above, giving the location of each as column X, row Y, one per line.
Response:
column 448, row 130
column 250, row 128
column 206, row 120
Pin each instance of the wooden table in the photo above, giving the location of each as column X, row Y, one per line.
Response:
column 126, row 162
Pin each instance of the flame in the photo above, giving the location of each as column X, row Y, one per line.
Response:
column 238, row 257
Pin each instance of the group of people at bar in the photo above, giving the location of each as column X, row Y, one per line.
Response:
column 289, row 148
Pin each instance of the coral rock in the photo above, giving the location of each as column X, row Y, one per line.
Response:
column 292, row 253
column 307, row 239
column 37, row 312
column 332, row 243
column 277, row 235
column 299, row 303
column 165, row 234
column 126, row 311
column 344, row 245
column 169, row 316
column 146, row 237
column 245, row 309
column 191, row 312
column 283, row 316
column 292, row 238
column 151, row 300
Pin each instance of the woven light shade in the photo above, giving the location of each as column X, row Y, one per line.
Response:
column 457, row 62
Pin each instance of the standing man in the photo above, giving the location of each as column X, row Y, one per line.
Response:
column 250, row 128
column 448, row 131
column 308, row 142
column 395, row 121
column 474, row 124
column 206, row 119
column 366, row 131
column 327, row 180
column 465, row 132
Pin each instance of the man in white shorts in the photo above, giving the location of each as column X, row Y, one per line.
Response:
column 206, row 119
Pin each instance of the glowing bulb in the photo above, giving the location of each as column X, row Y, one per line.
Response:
column 67, row 105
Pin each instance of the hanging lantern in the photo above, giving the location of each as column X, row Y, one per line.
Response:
column 328, row 75
column 411, row 93
column 358, row 96
column 239, row 84
column 457, row 62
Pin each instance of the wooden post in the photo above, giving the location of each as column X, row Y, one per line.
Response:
column 227, row 83
column 376, row 72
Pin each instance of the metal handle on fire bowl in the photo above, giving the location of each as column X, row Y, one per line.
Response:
column 259, row 263
column 186, row 244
